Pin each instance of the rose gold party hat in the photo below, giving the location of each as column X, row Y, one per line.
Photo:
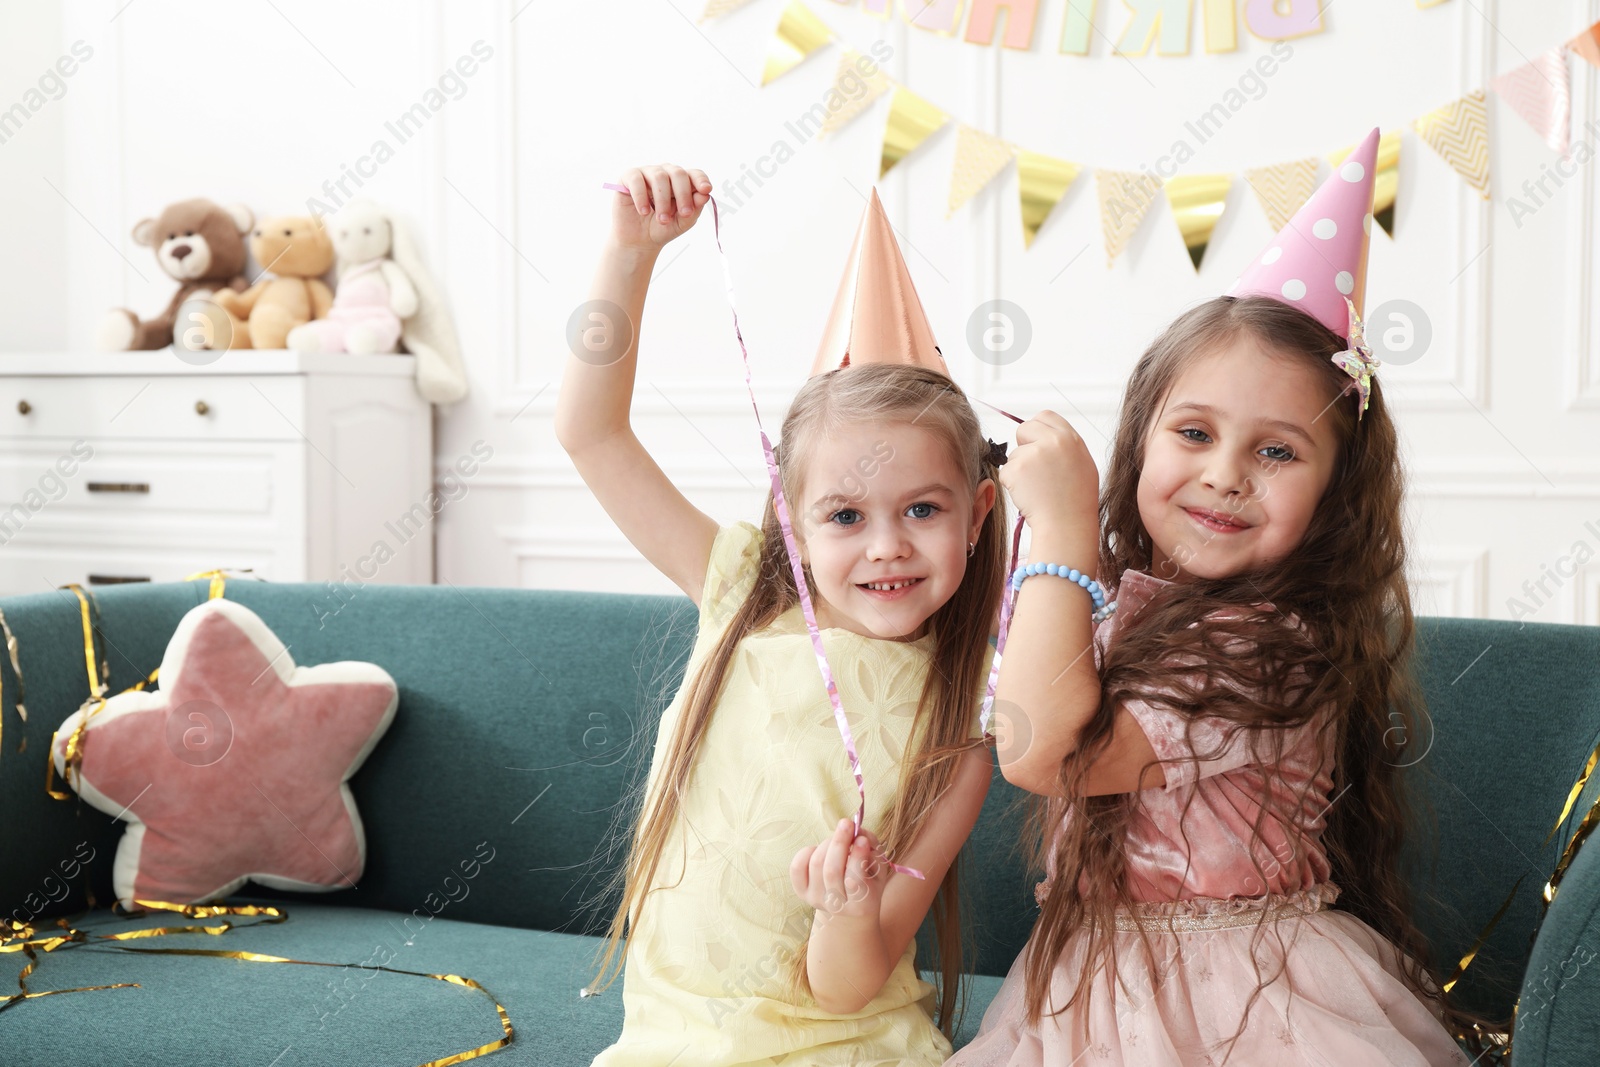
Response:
column 876, row 316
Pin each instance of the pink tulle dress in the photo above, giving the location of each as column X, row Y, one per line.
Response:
column 1337, row 995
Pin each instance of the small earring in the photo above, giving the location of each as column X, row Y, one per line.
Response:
column 971, row 545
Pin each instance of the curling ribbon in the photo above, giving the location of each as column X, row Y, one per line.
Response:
column 780, row 505
column 16, row 668
column 1501, row 1042
column 97, row 689
column 782, row 509
column 22, row 937
column 218, row 581
column 99, row 673
column 1007, row 602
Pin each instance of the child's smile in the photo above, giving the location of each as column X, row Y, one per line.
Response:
column 886, row 521
column 1235, row 463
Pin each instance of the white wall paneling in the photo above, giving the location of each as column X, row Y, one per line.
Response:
column 1500, row 417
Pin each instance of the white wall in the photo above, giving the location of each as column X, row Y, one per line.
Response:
column 1500, row 416
column 33, row 270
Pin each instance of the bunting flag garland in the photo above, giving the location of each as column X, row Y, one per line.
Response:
column 1587, row 45
column 717, row 8
column 979, row 157
column 1197, row 202
column 1125, row 198
column 912, row 120
column 1041, row 183
column 1459, row 132
column 1541, row 92
column 800, row 33
column 854, row 101
column 1387, row 185
column 1283, row 188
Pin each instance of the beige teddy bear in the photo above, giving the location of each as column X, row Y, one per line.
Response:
column 294, row 251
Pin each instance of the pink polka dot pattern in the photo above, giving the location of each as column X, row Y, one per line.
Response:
column 1320, row 257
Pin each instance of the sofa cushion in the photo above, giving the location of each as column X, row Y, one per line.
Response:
column 187, row 1009
column 234, row 767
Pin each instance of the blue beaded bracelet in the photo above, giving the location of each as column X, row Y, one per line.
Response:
column 1071, row 574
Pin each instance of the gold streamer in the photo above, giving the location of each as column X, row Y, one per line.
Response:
column 799, row 34
column 98, row 679
column 16, row 666
column 979, row 157
column 74, row 752
column 1197, row 203
column 1459, row 132
column 877, row 83
column 1283, row 188
column 218, row 579
column 21, row 937
column 912, row 120
column 1567, row 855
column 1125, row 197
column 1386, row 183
column 1585, row 828
column 1041, row 183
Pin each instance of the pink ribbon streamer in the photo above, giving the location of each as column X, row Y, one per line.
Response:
column 781, row 506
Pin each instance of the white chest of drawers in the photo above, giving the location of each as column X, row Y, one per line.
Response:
column 138, row 466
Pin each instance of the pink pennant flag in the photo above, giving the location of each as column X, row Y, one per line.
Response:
column 1541, row 92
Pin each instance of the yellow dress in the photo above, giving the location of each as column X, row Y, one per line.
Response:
column 704, row 982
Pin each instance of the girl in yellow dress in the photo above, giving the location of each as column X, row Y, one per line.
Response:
column 759, row 928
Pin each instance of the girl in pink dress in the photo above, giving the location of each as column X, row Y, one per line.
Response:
column 1219, row 810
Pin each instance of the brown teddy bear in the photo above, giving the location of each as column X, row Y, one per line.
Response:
column 294, row 251
column 196, row 242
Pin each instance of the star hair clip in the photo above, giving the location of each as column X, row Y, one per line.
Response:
column 996, row 453
column 1358, row 360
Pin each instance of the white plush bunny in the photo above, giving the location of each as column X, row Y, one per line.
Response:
column 386, row 297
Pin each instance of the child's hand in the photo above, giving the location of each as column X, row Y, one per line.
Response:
column 665, row 201
column 1051, row 476
column 841, row 876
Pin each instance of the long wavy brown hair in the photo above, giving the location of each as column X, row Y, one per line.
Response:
column 955, row 682
column 1348, row 673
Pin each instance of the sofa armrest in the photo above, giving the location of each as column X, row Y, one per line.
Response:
column 1558, row 1016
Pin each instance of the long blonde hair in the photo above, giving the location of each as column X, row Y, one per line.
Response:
column 954, row 684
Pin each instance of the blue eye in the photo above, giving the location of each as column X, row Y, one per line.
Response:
column 1276, row 459
column 932, row 508
column 844, row 511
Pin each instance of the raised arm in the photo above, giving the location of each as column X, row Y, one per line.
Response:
column 597, row 385
column 1048, row 682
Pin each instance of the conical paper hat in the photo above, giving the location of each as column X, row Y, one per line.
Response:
column 1320, row 257
column 876, row 316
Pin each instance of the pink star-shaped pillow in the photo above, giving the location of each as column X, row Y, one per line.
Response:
column 235, row 768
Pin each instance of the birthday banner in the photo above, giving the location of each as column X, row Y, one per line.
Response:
column 1163, row 23
column 1539, row 91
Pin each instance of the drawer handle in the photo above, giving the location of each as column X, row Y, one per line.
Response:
column 24, row 407
column 201, row 407
column 115, row 579
column 119, row 487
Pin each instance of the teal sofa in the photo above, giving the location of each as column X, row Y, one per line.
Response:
column 525, row 714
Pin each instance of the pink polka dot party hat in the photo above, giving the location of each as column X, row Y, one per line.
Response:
column 1319, row 259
